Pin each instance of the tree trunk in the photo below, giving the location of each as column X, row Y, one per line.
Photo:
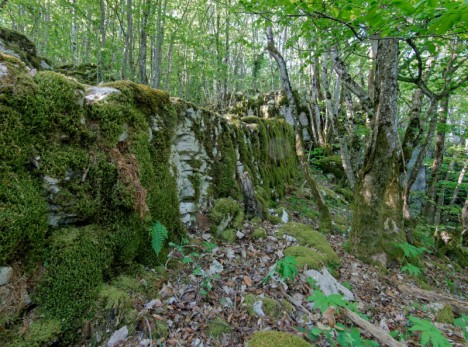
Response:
column 103, row 32
column 431, row 112
column 429, row 208
column 143, row 40
column 325, row 218
column 464, row 220
column 378, row 203
column 157, row 57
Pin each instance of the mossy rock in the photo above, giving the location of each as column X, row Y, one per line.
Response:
column 445, row 315
column 75, row 268
column 226, row 213
column 307, row 256
column 23, row 217
column 42, row 332
column 217, row 327
column 331, row 164
column 272, row 308
column 307, row 236
column 276, row 339
column 259, row 233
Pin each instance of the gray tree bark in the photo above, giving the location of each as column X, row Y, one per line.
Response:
column 378, row 203
column 325, row 218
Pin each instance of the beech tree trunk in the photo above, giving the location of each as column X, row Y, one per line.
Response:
column 464, row 220
column 325, row 218
column 429, row 208
column 378, row 203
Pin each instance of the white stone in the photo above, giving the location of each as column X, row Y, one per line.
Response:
column 6, row 272
column 284, row 216
column 96, row 94
column 118, row 336
column 328, row 284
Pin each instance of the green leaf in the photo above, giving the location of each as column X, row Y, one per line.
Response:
column 429, row 333
column 159, row 234
column 323, row 302
column 411, row 269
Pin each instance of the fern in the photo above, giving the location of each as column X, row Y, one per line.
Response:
column 159, row 234
column 429, row 333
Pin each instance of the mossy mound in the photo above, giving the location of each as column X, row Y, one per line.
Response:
column 331, row 165
column 445, row 315
column 306, row 236
column 78, row 260
column 226, row 213
column 228, row 235
column 273, row 309
column 276, row 339
column 217, row 327
column 308, row 256
column 42, row 332
column 19, row 45
column 259, row 233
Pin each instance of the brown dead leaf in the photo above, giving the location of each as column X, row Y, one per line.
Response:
column 329, row 315
column 248, row 281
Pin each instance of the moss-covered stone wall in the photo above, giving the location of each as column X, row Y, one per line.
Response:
column 85, row 171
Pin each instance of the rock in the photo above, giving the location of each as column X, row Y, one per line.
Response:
column 284, row 216
column 118, row 336
column 6, row 273
column 97, row 94
column 328, row 284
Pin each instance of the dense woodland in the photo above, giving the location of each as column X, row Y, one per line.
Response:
column 337, row 126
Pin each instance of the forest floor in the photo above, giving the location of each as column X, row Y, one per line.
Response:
column 204, row 298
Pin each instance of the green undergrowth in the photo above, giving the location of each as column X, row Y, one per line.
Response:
column 276, row 339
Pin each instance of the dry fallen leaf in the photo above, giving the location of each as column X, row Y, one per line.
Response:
column 248, row 281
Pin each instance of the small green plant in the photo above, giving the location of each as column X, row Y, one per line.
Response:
column 286, row 268
column 323, row 302
column 412, row 255
column 194, row 257
column 159, row 235
column 462, row 322
column 410, row 251
column 411, row 269
column 429, row 333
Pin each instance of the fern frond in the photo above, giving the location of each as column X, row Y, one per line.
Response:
column 159, row 234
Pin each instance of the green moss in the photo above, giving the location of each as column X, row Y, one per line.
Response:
column 306, row 236
column 307, row 256
column 274, row 219
column 217, row 327
column 21, row 46
column 272, row 308
column 23, row 218
column 238, row 220
column 259, row 233
column 116, row 303
column 226, row 212
column 276, row 339
column 75, row 268
column 42, row 332
column 445, row 315
column 228, row 236
column 196, row 181
column 161, row 329
column 331, row 164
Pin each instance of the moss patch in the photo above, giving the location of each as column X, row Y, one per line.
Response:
column 42, row 332
column 312, row 239
column 313, row 258
column 225, row 213
column 445, row 315
column 274, row 309
column 217, row 327
column 75, row 268
column 259, row 233
column 276, row 339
